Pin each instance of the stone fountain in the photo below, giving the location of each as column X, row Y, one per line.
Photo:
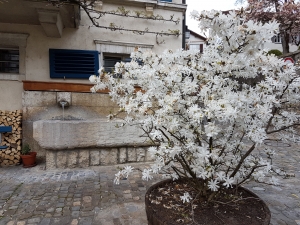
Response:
column 72, row 135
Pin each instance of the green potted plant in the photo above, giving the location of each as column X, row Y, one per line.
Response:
column 28, row 157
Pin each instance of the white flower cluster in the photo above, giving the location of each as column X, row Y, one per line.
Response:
column 123, row 174
column 206, row 113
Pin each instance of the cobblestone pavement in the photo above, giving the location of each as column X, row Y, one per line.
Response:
column 35, row 196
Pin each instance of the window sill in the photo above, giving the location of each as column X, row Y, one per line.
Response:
column 11, row 76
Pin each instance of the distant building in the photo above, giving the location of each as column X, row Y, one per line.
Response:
column 194, row 40
column 275, row 43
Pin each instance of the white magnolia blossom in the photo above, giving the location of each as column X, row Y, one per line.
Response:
column 93, row 79
column 123, row 174
column 213, row 185
column 186, row 197
column 205, row 113
column 146, row 174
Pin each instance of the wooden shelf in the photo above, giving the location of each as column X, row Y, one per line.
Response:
column 58, row 86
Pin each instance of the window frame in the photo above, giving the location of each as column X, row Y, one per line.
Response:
column 200, row 46
column 276, row 39
column 117, row 47
column 17, row 41
column 10, row 60
column 122, row 57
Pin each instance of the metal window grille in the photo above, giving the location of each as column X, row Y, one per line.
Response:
column 9, row 60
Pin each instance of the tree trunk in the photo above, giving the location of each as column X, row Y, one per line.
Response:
column 285, row 43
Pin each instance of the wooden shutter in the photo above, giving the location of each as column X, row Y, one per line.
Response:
column 201, row 48
column 76, row 64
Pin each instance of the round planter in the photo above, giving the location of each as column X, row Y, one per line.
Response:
column 158, row 215
column 29, row 160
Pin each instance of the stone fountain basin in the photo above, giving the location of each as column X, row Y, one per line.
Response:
column 72, row 134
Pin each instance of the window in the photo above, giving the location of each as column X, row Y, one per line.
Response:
column 109, row 61
column 9, row 60
column 112, row 52
column 12, row 56
column 198, row 47
column 276, row 39
column 294, row 39
column 76, row 64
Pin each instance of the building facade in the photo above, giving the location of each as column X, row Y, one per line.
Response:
column 194, row 41
column 47, row 53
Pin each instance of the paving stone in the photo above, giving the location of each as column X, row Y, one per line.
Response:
column 86, row 213
column 89, row 196
column 128, row 196
column 45, row 221
column 75, row 213
column 25, row 216
column 34, row 220
column 11, row 223
column 117, row 221
column 258, row 189
column 21, row 223
column 75, row 208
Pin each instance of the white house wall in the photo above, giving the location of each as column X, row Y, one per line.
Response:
column 270, row 46
column 11, row 95
column 38, row 45
column 194, row 40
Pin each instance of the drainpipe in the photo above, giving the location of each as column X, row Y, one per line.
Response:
column 183, row 27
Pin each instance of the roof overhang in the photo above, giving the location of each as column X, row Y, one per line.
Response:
column 39, row 12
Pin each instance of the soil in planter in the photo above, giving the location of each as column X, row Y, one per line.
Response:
column 235, row 207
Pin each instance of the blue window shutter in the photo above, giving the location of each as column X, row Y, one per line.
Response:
column 76, row 64
column 165, row 0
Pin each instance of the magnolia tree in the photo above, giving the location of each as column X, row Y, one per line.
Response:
column 205, row 114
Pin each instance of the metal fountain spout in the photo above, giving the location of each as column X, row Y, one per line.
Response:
column 63, row 103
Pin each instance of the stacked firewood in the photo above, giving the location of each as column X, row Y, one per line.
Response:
column 11, row 155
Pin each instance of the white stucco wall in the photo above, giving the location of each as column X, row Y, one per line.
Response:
column 38, row 44
column 194, row 40
column 10, row 95
column 270, row 46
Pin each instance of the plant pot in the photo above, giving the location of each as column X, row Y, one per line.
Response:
column 29, row 160
column 249, row 211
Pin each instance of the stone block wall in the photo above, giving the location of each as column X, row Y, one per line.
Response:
column 83, row 158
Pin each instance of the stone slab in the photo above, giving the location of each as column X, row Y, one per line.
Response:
column 59, row 134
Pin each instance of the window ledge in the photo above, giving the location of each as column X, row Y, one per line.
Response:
column 11, row 76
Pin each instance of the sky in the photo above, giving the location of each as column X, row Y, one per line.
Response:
column 200, row 5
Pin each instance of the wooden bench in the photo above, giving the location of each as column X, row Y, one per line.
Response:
column 4, row 129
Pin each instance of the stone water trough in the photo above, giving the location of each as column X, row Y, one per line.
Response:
column 83, row 143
